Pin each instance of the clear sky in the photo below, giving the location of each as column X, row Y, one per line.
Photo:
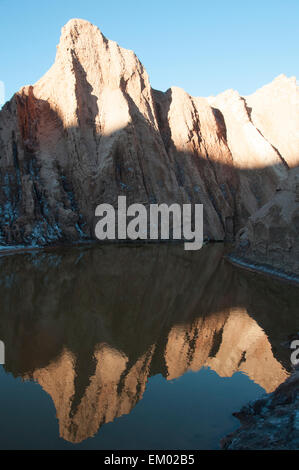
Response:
column 203, row 46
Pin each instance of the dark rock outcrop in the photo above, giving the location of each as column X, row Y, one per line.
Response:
column 269, row 241
column 271, row 423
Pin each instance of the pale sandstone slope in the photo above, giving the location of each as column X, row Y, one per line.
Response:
column 274, row 111
column 260, row 165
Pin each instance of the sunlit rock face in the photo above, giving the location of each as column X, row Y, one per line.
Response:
column 260, row 166
column 84, row 134
column 274, row 112
column 115, row 316
column 92, row 129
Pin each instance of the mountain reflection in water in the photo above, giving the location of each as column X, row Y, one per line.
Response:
column 91, row 325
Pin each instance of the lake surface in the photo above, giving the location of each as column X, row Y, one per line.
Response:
column 136, row 347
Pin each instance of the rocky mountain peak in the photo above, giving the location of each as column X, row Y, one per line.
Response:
column 92, row 129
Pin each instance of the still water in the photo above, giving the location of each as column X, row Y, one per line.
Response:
column 136, row 347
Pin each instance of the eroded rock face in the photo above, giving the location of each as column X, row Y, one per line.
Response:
column 92, row 129
column 271, row 234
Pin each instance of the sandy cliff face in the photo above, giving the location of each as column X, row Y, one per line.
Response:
column 84, row 134
column 259, row 164
column 92, row 129
column 274, row 112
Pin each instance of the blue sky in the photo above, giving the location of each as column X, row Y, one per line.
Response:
column 204, row 47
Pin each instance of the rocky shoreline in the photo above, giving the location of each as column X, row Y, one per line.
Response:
column 263, row 269
column 270, row 423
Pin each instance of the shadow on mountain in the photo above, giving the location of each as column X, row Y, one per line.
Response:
column 58, row 175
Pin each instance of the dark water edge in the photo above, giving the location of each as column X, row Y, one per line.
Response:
column 7, row 250
column 264, row 269
column 129, row 347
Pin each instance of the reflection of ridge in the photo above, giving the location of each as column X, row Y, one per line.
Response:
column 158, row 365
column 116, row 316
column 84, row 370
column 118, row 384
column 191, row 341
column 243, row 347
column 243, row 359
column 244, row 339
column 217, row 340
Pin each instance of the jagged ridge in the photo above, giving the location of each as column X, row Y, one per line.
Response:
column 92, row 129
